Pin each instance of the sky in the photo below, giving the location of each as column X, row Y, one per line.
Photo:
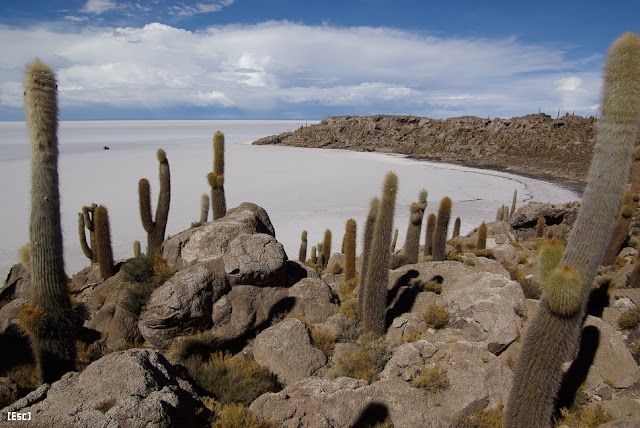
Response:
column 308, row 59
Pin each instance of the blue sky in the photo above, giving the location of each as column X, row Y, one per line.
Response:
column 306, row 59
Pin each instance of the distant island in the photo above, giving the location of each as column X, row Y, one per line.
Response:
column 535, row 145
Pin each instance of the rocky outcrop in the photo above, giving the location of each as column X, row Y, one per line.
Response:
column 134, row 388
column 520, row 144
column 559, row 217
column 255, row 260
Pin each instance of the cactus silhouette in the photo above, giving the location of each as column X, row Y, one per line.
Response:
column 54, row 341
column 302, row 254
column 85, row 219
column 440, row 233
column 204, row 208
column 481, row 243
column 155, row 229
column 370, row 224
column 103, row 242
column 374, row 302
column 326, row 248
column 553, row 334
column 216, row 178
column 350, row 250
column 431, row 227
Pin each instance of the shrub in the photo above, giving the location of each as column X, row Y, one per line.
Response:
column 487, row 253
column 411, row 337
column 232, row 379
column 137, row 269
column 380, row 352
column 583, row 417
column 345, row 289
column 357, row 365
column 487, row 418
column 431, row 379
column 436, row 316
column 323, row 340
column 235, row 415
column 629, row 320
column 198, row 344
column 335, row 269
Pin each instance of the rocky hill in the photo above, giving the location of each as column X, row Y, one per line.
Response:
column 534, row 144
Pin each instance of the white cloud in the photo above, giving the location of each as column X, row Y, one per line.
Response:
column 99, row 6
column 198, row 8
column 296, row 67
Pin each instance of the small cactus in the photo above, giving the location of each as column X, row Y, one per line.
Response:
column 302, row 254
column 431, row 227
column 549, row 257
column 350, row 250
column 440, row 233
column 204, row 208
column 136, row 249
column 482, row 237
column 456, row 228
column 85, row 219
column 513, row 203
column 216, row 178
column 540, row 227
column 314, row 255
column 321, row 261
column 156, row 229
column 370, row 224
column 103, row 242
column 326, row 248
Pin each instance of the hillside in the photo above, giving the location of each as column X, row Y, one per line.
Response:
column 535, row 144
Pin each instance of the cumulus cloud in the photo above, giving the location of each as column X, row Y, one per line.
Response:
column 294, row 67
column 98, row 6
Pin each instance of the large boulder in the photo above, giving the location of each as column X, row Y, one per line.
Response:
column 183, row 304
column 256, row 259
column 286, row 350
column 560, row 216
column 16, row 285
column 313, row 300
column 211, row 240
column 134, row 388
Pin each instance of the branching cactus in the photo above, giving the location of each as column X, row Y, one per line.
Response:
column 85, row 219
column 374, row 302
column 350, row 250
column 370, row 224
column 103, row 242
column 326, row 248
column 216, row 178
column 204, row 208
column 431, row 227
column 156, row 229
column 302, row 254
column 554, row 332
column 440, row 233
column 481, row 243
column 53, row 341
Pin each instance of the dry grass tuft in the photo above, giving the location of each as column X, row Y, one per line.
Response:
column 436, row 316
column 431, row 379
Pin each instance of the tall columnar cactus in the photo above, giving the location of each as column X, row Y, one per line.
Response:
column 326, row 248
column 513, row 203
column 431, row 227
column 302, row 254
column 374, row 303
column 394, row 241
column 103, row 242
column 370, row 225
column 481, row 243
column 440, row 233
column 540, row 224
column 216, row 178
column 204, row 208
column 554, row 332
column 54, row 341
column 350, row 250
column 314, row 255
column 409, row 252
column 85, row 219
column 156, row 229
column 456, row 228
column 620, row 230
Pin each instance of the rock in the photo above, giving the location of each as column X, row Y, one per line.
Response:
column 313, row 300
column 623, row 408
column 211, row 240
column 626, row 423
column 8, row 391
column 138, row 388
column 183, row 304
column 524, row 220
column 256, row 259
column 336, row 262
column 286, row 350
column 16, row 284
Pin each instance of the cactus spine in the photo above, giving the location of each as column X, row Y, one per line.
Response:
column 350, row 250
column 155, row 229
column 431, row 227
column 54, row 342
column 302, row 254
column 374, row 302
column 456, row 228
column 370, row 224
column 216, row 178
column 85, row 219
column 482, row 237
column 440, row 233
column 103, row 241
column 204, row 208
column 554, row 332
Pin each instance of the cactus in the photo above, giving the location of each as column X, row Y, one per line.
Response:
column 634, row 175
column 302, row 254
column 136, row 249
column 411, row 249
column 620, row 230
column 216, row 178
column 370, row 224
column 314, row 255
column 85, row 219
column 513, row 203
column 350, row 250
column 431, row 227
column 500, row 213
column 156, row 229
column 24, row 254
column 440, row 233
column 326, row 248
column 394, row 241
column 204, row 208
column 103, row 242
column 456, row 228
column 481, row 244
column 54, row 342
column 505, row 213
column 554, row 332
column 540, row 227
column 549, row 257
column 374, row 303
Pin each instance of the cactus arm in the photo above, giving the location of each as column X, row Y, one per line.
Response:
column 83, row 237
column 144, row 196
